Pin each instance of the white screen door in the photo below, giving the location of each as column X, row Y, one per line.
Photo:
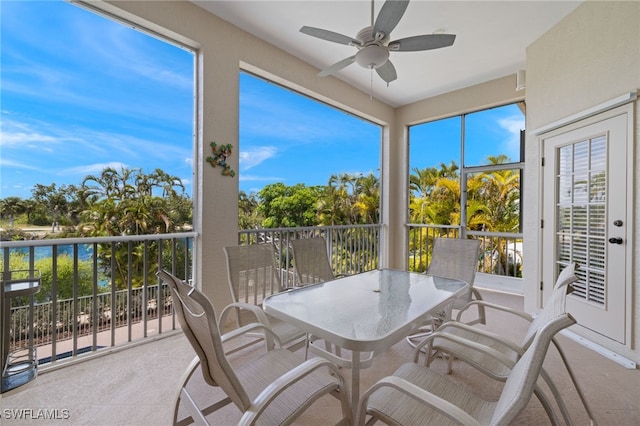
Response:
column 585, row 220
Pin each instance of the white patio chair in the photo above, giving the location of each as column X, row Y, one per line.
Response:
column 311, row 260
column 453, row 339
column 415, row 394
column 252, row 275
column 458, row 259
column 272, row 389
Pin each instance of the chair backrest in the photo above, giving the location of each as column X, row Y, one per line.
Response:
column 311, row 260
column 556, row 303
column 520, row 384
column 455, row 258
column 198, row 322
column 252, row 272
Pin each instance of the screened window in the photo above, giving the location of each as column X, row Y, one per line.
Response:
column 304, row 162
column 465, row 175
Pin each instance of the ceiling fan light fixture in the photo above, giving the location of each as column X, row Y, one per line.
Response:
column 372, row 56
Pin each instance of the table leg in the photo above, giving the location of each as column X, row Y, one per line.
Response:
column 355, row 383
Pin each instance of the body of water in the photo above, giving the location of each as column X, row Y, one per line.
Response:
column 85, row 251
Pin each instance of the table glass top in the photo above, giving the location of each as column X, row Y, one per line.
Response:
column 364, row 307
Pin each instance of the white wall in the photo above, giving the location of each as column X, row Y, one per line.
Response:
column 590, row 57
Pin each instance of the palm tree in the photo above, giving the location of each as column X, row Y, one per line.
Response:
column 10, row 207
column 123, row 203
column 367, row 203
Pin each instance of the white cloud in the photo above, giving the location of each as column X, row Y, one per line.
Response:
column 513, row 125
column 16, row 164
column 21, row 138
column 93, row 168
column 254, row 178
column 255, row 155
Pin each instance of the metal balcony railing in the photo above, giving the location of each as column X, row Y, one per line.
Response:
column 95, row 292
column 351, row 248
column 500, row 253
column 102, row 292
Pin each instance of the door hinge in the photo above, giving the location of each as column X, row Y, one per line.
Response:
column 542, row 161
column 541, row 285
column 541, row 223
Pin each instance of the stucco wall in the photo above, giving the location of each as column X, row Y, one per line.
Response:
column 590, row 57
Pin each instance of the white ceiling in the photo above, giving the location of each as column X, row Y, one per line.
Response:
column 491, row 38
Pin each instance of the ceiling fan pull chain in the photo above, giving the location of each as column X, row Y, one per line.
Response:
column 371, row 86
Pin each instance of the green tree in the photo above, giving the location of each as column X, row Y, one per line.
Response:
column 124, row 203
column 288, row 206
column 130, row 202
column 64, row 274
column 493, row 202
column 367, row 194
column 11, row 207
column 57, row 204
column 330, row 206
column 248, row 217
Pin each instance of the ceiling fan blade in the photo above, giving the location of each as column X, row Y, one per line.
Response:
column 387, row 72
column 388, row 18
column 337, row 66
column 329, row 36
column 422, row 42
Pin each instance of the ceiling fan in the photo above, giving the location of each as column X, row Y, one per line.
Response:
column 373, row 42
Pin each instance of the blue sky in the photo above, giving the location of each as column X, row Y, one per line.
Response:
column 80, row 92
column 289, row 138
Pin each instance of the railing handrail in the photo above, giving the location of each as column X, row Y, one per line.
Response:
column 307, row 228
column 96, row 240
column 431, row 225
column 514, row 235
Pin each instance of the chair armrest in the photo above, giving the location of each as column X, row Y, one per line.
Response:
column 493, row 306
column 261, row 317
column 471, row 345
column 284, row 382
column 366, row 358
column 239, row 332
column 442, row 333
column 423, row 396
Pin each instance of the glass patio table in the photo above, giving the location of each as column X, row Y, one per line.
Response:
column 367, row 312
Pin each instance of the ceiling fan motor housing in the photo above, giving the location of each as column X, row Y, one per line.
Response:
column 372, row 53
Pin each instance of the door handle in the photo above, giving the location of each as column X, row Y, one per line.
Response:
column 615, row 240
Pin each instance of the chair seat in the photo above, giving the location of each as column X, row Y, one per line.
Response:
column 395, row 407
column 287, row 333
column 264, row 370
column 478, row 359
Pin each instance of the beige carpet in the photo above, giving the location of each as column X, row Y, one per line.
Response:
column 137, row 386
